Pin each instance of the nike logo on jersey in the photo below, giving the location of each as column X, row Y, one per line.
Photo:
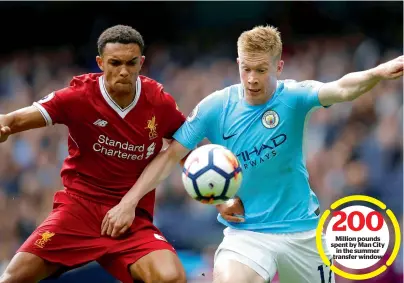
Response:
column 227, row 137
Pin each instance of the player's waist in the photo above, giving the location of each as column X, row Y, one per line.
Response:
column 263, row 225
column 103, row 194
column 109, row 183
column 96, row 195
column 105, row 199
column 91, row 203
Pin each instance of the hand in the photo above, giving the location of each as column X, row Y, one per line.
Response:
column 5, row 132
column 232, row 210
column 118, row 220
column 392, row 69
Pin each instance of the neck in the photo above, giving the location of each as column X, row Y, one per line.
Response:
column 123, row 99
column 255, row 101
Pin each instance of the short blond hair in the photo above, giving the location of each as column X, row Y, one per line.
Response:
column 261, row 39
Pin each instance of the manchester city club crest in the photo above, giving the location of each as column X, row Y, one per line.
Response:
column 270, row 119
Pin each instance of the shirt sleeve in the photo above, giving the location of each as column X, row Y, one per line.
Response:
column 202, row 119
column 306, row 94
column 173, row 116
column 57, row 106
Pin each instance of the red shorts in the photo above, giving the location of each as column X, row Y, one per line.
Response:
column 71, row 236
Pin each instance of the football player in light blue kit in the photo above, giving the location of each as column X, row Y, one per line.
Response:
column 262, row 121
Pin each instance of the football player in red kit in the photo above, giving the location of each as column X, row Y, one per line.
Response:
column 117, row 120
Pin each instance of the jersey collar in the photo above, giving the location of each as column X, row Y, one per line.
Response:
column 120, row 111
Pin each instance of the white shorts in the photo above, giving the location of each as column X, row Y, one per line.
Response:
column 294, row 256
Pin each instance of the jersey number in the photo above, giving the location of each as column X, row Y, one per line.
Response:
column 320, row 268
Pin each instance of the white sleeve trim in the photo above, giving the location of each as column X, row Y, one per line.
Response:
column 44, row 113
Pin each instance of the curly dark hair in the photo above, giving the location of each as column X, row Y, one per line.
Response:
column 120, row 34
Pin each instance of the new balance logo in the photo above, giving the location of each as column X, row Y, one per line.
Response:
column 100, row 123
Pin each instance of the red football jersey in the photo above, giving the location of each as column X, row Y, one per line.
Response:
column 109, row 146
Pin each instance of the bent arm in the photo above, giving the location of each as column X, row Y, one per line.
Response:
column 23, row 119
column 158, row 170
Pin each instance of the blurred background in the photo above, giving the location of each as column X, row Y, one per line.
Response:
column 352, row 148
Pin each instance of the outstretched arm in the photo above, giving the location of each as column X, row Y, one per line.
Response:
column 21, row 120
column 353, row 85
column 120, row 218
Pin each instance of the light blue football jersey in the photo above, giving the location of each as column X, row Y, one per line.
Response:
column 268, row 141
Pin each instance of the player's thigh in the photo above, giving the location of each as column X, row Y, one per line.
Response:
column 300, row 260
column 158, row 266
column 248, row 248
column 152, row 262
column 231, row 267
column 69, row 235
column 143, row 254
column 27, row 268
column 305, row 270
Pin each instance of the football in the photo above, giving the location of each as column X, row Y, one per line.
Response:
column 212, row 174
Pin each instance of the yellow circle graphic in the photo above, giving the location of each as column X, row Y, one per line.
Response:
column 397, row 236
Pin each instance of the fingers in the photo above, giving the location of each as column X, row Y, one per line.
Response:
column 233, row 218
column 116, row 221
column 398, row 72
column 235, row 211
column 104, row 225
column 397, row 75
column 107, row 226
column 5, row 129
column 118, row 231
column 115, row 231
column 231, row 207
column 110, row 228
column 232, row 210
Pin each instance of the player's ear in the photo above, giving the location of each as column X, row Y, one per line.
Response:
column 279, row 67
column 99, row 62
column 142, row 60
column 238, row 61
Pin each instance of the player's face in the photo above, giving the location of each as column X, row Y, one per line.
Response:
column 259, row 73
column 121, row 64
